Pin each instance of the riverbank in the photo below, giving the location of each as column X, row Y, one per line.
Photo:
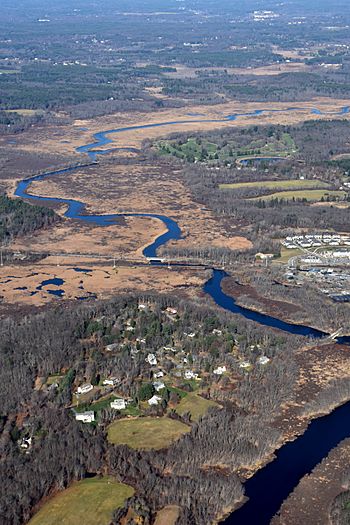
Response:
column 310, row 502
column 247, row 296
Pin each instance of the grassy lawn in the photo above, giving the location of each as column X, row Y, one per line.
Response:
column 275, row 184
column 287, row 254
column 25, row 112
column 196, row 405
column 88, row 502
column 146, row 433
column 54, row 379
column 309, row 195
column 9, row 71
column 200, row 149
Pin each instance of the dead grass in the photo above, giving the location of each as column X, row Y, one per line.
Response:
column 146, row 433
column 168, row 515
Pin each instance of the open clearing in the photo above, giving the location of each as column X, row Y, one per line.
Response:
column 272, row 184
column 88, row 502
column 146, row 433
column 309, row 195
column 196, row 405
column 168, row 515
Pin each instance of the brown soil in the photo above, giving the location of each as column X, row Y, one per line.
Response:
column 311, row 500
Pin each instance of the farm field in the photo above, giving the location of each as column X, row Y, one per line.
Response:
column 272, row 184
column 146, row 433
column 88, row 502
column 196, row 405
column 309, row 195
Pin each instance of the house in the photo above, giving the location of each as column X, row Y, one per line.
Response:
column 151, row 358
column 26, row 443
column 86, row 417
column 190, row 375
column 158, row 385
column 159, row 374
column 171, row 311
column 245, row 364
column 154, row 400
column 216, row 332
column 263, row 360
column 84, row 389
column 111, row 381
column 142, row 306
column 112, row 347
column 118, row 404
column 219, row 370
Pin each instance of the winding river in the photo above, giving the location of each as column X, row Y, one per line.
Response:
column 271, row 485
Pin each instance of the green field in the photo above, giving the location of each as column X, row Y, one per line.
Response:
column 88, row 502
column 287, row 254
column 309, row 195
column 202, row 150
column 146, row 433
column 276, row 184
column 196, row 405
column 25, row 112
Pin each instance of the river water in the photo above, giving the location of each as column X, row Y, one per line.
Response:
column 271, row 485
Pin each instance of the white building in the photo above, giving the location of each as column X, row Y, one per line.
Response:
column 85, row 417
column 263, row 360
column 244, row 364
column 190, row 375
column 84, row 389
column 110, row 381
column 219, row 370
column 151, row 358
column 171, row 311
column 159, row 374
column 118, row 404
column 158, row 385
column 154, row 400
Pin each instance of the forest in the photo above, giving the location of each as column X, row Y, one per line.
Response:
column 19, row 218
column 73, row 340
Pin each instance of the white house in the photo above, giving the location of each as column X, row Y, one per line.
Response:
column 159, row 374
column 263, row 360
column 86, row 417
column 151, row 358
column 110, row 381
column 154, row 400
column 84, row 389
column 216, row 331
column 26, row 443
column 171, row 311
column 118, row 404
column 190, row 375
column 244, row 364
column 158, row 385
column 219, row 370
